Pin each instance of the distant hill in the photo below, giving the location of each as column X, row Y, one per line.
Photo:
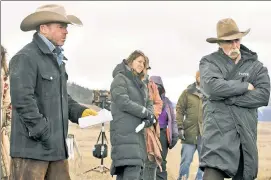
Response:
column 79, row 93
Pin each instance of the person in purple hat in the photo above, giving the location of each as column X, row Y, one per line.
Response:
column 168, row 126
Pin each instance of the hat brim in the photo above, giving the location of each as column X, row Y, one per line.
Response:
column 33, row 20
column 231, row 37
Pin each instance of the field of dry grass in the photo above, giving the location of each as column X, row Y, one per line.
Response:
column 86, row 138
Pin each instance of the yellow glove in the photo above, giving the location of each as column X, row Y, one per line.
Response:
column 89, row 112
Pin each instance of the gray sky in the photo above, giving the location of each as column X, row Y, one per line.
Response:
column 172, row 35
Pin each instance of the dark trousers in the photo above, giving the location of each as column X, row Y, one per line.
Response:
column 29, row 169
column 164, row 143
column 129, row 173
column 212, row 174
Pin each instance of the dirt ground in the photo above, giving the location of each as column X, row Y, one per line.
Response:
column 86, row 138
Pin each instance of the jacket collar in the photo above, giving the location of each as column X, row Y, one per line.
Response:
column 43, row 46
column 192, row 89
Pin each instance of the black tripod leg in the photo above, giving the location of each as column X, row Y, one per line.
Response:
column 102, row 151
column 93, row 169
column 102, row 168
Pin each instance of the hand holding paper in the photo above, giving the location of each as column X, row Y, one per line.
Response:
column 89, row 112
column 90, row 120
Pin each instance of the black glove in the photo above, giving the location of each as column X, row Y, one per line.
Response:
column 174, row 142
column 151, row 118
column 149, row 115
column 147, row 123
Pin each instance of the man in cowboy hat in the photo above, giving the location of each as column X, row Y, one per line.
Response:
column 41, row 104
column 234, row 84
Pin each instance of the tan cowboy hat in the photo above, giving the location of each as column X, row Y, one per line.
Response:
column 46, row 14
column 227, row 29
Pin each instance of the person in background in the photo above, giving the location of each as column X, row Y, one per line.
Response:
column 130, row 106
column 168, row 126
column 153, row 143
column 5, row 116
column 189, row 118
column 41, row 106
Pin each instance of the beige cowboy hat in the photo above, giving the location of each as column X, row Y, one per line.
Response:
column 227, row 29
column 46, row 14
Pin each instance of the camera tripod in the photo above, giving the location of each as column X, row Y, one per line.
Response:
column 101, row 168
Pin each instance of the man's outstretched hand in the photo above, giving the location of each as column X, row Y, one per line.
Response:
column 89, row 112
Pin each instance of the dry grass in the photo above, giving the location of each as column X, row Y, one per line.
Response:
column 86, row 138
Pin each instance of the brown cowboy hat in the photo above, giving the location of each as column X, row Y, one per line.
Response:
column 46, row 14
column 227, row 29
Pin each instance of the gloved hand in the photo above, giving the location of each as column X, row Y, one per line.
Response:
column 89, row 112
column 150, row 119
column 149, row 115
column 173, row 142
column 148, row 123
column 181, row 136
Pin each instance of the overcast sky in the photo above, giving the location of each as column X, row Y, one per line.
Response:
column 172, row 35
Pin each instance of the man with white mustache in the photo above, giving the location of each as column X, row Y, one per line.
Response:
column 234, row 84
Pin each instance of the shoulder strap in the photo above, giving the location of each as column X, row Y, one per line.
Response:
column 101, row 137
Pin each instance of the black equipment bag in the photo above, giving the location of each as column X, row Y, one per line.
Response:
column 100, row 150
